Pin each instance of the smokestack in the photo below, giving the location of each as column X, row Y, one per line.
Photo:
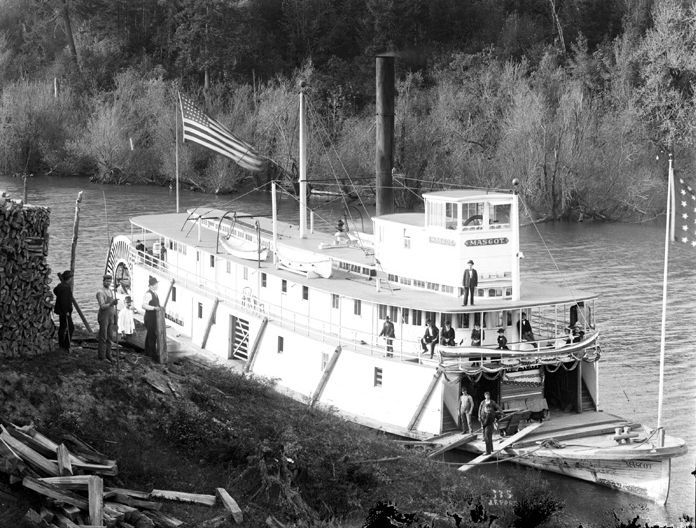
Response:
column 384, row 156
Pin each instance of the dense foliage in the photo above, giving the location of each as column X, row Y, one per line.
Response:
column 576, row 98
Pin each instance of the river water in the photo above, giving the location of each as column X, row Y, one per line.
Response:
column 621, row 262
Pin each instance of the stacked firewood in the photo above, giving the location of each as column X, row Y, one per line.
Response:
column 70, row 478
column 25, row 294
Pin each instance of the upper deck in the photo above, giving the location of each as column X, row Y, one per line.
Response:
column 354, row 267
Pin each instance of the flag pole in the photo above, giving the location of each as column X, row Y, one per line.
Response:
column 668, row 230
column 176, row 152
column 303, row 164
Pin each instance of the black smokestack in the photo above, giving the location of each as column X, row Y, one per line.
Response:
column 384, row 156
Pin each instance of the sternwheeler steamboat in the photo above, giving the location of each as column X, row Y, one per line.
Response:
column 309, row 317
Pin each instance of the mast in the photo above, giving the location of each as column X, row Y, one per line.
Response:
column 515, row 229
column 668, row 230
column 176, row 154
column 303, row 164
column 385, row 134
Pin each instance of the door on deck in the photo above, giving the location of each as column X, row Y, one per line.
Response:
column 238, row 338
column 450, row 409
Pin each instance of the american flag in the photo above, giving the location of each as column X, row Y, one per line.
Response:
column 205, row 131
column 684, row 220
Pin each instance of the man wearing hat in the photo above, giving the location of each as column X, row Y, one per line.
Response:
column 470, row 282
column 151, row 305
column 106, row 318
column 63, row 308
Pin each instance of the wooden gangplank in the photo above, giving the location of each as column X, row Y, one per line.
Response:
column 451, row 442
column 497, row 449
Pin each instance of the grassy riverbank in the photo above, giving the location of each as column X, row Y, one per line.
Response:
column 275, row 456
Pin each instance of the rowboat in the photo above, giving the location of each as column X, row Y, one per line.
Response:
column 244, row 249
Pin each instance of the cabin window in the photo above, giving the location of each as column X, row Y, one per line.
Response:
column 404, row 280
column 324, row 360
column 417, row 318
column 433, row 286
column 480, row 292
column 284, row 286
column 357, row 306
column 394, row 313
column 212, row 261
column 305, row 292
column 419, row 283
column 171, row 245
column 263, row 280
column 228, row 266
column 447, row 289
column 435, row 214
column 173, row 293
column 451, row 215
column 198, row 256
column 245, row 273
column 472, row 215
column 382, row 311
column 393, row 278
column 508, row 291
column 281, row 344
column 404, row 315
column 430, row 316
column 378, row 377
column 462, row 320
column 334, row 301
column 500, row 215
column 200, row 310
column 407, row 242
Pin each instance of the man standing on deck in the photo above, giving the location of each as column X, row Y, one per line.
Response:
column 388, row 333
column 466, row 408
column 63, row 308
column 151, row 305
column 106, row 318
column 486, row 416
column 470, row 282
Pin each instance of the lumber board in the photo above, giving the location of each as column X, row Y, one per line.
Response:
column 94, row 461
column 216, row 522
column 197, row 498
column 54, row 492
column 95, row 491
column 164, row 520
column 64, row 464
column 86, row 451
column 457, row 440
column 497, row 449
column 64, row 522
column 231, row 504
column 136, row 503
column 28, row 454
column 424, row 400
column 325, row 376
column 136, row 494
column 68, row 482
column 9, row 460
column 155, row 384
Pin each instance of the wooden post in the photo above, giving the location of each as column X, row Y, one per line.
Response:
column 325, row 376
column 579, row 369
column 76, row 226
column 255, row 346
column 64, row 464
column 425, row 399
column 162, row 355
column 169, row 292
column 78, row 310
column 24, row 177
column 211, row 320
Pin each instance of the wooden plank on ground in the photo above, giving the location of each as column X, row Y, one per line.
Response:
column 136, row 503
column 456, row 441
column 95, row 491
column 144, row 495
column 231, row 504
column 197, row 498
column 424, row 400
column 29, row 455
column 155, row 384
column 89, row 459
column 64, row 465
column 216, row 522
column 9, row 460
column 498, row 448
column 55, row 492
column 68, row 482
column 162, row 519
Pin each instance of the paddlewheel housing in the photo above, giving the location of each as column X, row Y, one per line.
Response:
column 119, row 261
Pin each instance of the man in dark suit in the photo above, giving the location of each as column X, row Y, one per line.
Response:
column 63, row 308
column 470, row 282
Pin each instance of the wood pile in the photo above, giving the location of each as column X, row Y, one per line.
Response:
column 26, row 299
column 69, row 479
